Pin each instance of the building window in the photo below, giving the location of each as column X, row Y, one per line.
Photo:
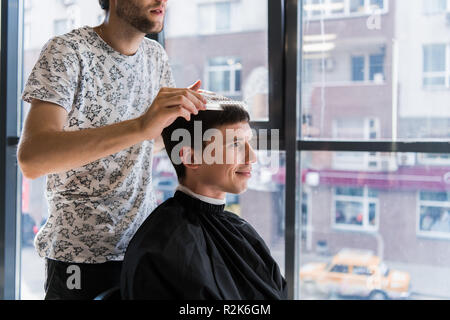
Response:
column 434, row 214
column 224, row 76
column 357, row 6
column 358, row 68
column 314, row 9
column 435, row 6
column 437, row 159
column 436, row 70
column 376, row 67
column 214, row 17
column 368, row 68
column 355, row 208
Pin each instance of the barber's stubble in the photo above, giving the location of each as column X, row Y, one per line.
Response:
column 137, row 16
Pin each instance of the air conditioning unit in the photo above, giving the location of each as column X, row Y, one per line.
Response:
column 406, row 159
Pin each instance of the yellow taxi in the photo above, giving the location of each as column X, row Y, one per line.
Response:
column 356, row 273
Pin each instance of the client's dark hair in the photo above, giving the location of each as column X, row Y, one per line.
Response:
column 230, row 114
column 104, row 4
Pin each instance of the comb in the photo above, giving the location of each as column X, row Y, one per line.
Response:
column 216, row 102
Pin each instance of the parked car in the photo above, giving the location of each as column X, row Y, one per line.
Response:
column 356, row 273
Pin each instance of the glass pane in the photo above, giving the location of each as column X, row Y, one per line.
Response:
column 434, row 58
column 357, row 68
column 377, row 4
column 381, row 60
column 434, row 6
column 356, row 5
column 376, row 68
column 232, row 35
column 433, row 81
column 223, row 16
column 390, row 227
column 63, row 17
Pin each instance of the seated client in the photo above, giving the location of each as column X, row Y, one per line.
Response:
column 190, row 247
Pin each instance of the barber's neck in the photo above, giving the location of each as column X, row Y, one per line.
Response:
column 120, row 35
column 203, row 189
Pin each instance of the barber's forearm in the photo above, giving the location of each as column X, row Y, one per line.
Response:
column 51, row 152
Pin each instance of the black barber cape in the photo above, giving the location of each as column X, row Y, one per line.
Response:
column 190, row 249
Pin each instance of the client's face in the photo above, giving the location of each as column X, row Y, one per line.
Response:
column 232, row 173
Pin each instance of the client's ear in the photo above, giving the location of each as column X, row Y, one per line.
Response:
column 187, row 157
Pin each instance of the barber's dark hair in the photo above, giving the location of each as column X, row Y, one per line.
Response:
column 104, row 4
column 230, row 114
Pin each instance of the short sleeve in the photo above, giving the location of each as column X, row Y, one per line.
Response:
column 55, row 76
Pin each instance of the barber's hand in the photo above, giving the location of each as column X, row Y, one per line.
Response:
column 169, row 104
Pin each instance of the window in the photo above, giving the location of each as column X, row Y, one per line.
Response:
column 394, row 214
column 374, row 63
column 339, row 268
column 214, row 17
column 358, row 66
column 361, row 271
column 434, row 214
column 314, row 9
column 436, row 69
column 434, row 159
column 357, row 6
column 233, row 64
column 224, row 76
column 355, row 208
column 377, row 4
column 37, row 31
column 376, row 68
column 434, row 6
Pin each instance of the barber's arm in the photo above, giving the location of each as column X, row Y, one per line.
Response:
column 45, row 148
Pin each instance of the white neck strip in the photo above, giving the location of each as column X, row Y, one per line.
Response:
column 199, row 196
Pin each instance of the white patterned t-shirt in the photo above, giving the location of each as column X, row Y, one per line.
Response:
column 94, row 210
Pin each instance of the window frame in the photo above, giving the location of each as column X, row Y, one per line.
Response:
column 301, row 144
column 366, row 70
column 430, row 203
column 365, row 200
column 212, row 30
column 10, row 222
column 436, row 74
column 285, row 39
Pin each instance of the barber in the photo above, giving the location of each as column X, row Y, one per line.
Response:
column 100, row 98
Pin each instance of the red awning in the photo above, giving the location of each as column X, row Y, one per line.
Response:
column 413, row 178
